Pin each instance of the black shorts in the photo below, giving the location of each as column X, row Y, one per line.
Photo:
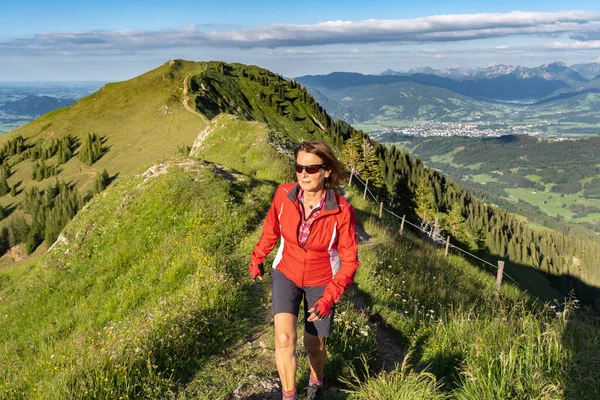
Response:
column 287, row 297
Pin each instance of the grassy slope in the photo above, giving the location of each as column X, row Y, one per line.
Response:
column 462, row 342
column 148, row 297
column 143, row 120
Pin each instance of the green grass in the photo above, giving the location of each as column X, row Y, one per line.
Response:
column 534, row 178
column 401, row 384
column 463, row 343
column 552, row 203
column 532, row 225
column 242, row 146
column 592, row 218
column 149, row 285
column 474, row 167
column 484, row 178
column 143, row 276
column 147, row 296
column 143, row 120
column 448, row 157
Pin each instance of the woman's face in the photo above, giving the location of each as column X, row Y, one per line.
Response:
column 311, row 182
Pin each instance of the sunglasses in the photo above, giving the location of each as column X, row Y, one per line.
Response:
column 310, row 169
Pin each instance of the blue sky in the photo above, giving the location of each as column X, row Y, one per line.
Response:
column 116, row 40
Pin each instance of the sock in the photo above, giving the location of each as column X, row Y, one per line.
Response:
column 289, row 394
column 315, row 381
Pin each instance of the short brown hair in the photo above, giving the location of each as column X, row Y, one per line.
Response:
column 339, row 173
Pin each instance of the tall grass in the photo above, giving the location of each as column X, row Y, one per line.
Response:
column 142, row 286
column 466, row 344
column 146, row 290
column 145, row 295
column 399, row 384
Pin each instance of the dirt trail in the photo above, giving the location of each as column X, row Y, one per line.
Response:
column 203, row 135
column 198, row 142
column 391, row 348
column 186, row 98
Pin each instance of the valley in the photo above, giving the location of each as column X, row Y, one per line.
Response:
column 504, row 100
column 507, row 131
column 557, row 177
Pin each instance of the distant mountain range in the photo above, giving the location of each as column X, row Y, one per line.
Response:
column 511, row 94
column 35, row 105
column 552, row 71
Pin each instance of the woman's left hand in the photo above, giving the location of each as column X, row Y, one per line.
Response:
column 320, row 310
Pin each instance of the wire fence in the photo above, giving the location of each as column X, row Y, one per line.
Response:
column 418, row 227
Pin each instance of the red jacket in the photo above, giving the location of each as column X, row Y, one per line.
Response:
column 330, row 256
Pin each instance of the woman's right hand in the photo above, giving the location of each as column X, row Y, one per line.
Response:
column 256, row 271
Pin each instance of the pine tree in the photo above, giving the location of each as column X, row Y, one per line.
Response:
column 426, row 207
column 371, row 167
column 40, row 172
column 100, row 182
column 53, row 226
column 35, row 236
column 34, row 169
column 65, row 149
column 91, row 149
column 352, row 154
column 4, row 240
column 5, row 171
column 4, row 188
column 455, row 222
column 402, row 198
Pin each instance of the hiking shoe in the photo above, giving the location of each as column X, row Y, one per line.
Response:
column 315, row 392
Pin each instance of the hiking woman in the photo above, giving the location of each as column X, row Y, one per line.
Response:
column 315, row 263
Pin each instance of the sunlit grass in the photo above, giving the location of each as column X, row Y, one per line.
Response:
column 466, row 343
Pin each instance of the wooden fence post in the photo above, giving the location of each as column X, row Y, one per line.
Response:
column 380, row 209
column 447, row 246
column 366, row 185
column 499, row 277
column 402, row 225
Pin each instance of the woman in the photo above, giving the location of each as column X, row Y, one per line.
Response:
column 315, row 262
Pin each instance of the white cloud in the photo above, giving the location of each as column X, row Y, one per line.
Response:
column 578, row 45
column 433, row 29
column 274, row 52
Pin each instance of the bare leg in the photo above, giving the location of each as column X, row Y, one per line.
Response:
column 317, row 353
column 285, row 349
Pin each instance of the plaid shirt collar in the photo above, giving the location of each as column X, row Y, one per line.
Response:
column 304, row 229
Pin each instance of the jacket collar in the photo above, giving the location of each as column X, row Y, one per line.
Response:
column 330, row 201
